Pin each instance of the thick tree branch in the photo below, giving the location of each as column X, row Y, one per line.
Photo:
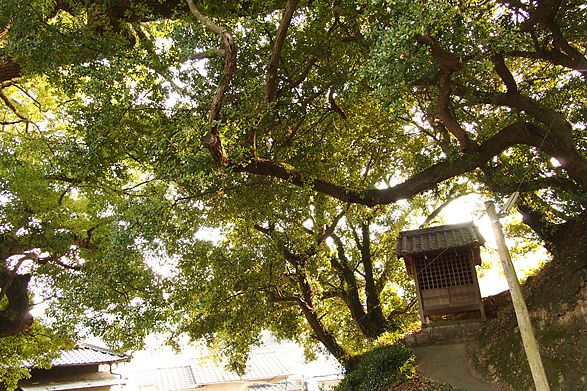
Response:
column 341, row 263
column 549, row 118
column 267, row 231
column 554, row 56
column 505, row 74
column 558, row 140
column 9, row 69
column 303, row 76
column 330, row 229
column 535, row 220
column 304, row 300
column 12, row 107
column 450, row 63
column 577, row 59
column 209, row 54
column 332, row 294
column 564, row 53
column 350, row 293
column 448, row 60
column 12, row 274
column 278, row 298
column 334, row 107
column 271, row 84
column 545, row 11
column 517, row 133
column 212, row 139
column 64, row 178
column 15, row 317
column 448, row 117
column 66, row 266
column 322, row 333
column 377, row 322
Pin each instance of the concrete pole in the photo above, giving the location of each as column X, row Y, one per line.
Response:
column 528, row 338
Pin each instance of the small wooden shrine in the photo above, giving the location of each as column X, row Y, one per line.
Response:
column 442, row 260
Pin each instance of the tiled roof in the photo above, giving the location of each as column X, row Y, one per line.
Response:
column 86, row 354
column 289, row 386
column 263, row 365
column 434, row 239
column 71, row 382
column 175, row 379
column 142, row 378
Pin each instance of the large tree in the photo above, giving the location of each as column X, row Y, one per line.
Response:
column 169, row 116
column 306, row 269
column 70, row 236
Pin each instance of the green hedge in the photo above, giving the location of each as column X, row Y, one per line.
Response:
column 377, row 369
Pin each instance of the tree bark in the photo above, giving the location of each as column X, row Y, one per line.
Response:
column 15, row 317
column 323, row 334
column 212, row 139
column 350, row 292
column 306, row 304
column 377, row 321
column 271, row 84
column 9, row 69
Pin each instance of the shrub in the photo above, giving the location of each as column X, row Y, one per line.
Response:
column 377, row 369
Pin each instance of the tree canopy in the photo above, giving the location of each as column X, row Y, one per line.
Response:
column 294, row 128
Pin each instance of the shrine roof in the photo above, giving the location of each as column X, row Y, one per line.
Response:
column 439, row 238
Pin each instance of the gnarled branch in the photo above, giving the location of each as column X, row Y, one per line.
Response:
column 517, row 133
column 447, row 116
column 212, row 139
column 505, row 74
column 448, row 60
column 12, row 107
column 271, row 84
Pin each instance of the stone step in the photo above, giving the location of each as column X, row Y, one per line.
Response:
column 444, row 334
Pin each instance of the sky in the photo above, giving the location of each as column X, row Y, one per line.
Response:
column 491, row 281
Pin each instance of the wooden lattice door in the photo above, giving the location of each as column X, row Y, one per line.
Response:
column 447, row 283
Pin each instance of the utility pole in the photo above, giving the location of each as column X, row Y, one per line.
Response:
column 528, row 338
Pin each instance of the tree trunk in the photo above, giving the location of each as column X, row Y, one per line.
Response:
column 322, row 333
column 377, row 322
column 15, row 317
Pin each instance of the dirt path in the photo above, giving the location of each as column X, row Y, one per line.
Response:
column 448, row 364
